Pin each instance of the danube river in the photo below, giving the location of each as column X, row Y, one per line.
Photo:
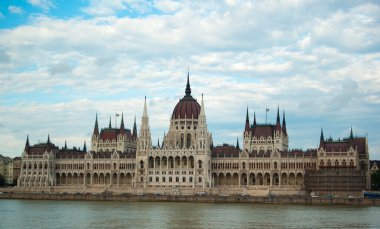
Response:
column 107, row 214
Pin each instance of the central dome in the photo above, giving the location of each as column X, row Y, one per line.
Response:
column 187, row 107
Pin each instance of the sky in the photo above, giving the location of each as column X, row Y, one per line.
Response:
column 63, row 62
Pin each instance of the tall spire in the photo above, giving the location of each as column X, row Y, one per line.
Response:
column 48, row 140
column 122, row 130
column 188, row 89
column 158, row 143
column 278, row 123
column 27, row 143
column 202, row 112
column 237, row 143
column 144, row 139
column 247, row 121
column 109, row 125
column 351, row 134
column 84, row 147
column 134, row 133
column 322, row 138
column 65, row 145
column 163, row 141
column 254, row 118
column 96, row 128
column 145, row 114
column 284, row 124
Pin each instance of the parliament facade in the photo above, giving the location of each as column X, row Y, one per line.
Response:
column 122, row 160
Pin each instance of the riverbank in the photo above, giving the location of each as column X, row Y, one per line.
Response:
column 196, row 199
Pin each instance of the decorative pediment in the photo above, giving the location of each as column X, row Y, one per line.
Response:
column 244, row 154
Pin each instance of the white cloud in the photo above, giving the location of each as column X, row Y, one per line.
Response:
column 112, row 7
column 167, row 5
column 43, row 4
column 260, row 54
column 15, row 10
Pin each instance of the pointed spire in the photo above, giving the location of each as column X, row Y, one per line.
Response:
column 237, row 143
column 351, row 134
column 109, row 125
column 84, row 147
column 145, row 114
column 122, row 121
column 122, row 130
column 96, row 128
column 278, row 123
column 254, row 118
column 48, row 140
column 322, row 138
column 65, row 145
column 202, row 112
column 188, row 89
column 134, row 133
column 284, row 124
column 163, row 141
column 247, row 121
column 27, row 142
column 158, row 143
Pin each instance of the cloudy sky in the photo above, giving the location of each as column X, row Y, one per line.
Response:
column 61, row 62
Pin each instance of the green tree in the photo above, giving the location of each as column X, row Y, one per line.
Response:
column 375, row 180
column 2, row 180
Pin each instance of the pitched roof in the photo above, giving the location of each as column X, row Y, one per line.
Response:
column 263, row 130
column 225, row 150
column 111, row 133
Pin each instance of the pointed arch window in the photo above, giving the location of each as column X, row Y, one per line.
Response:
column 188, row 140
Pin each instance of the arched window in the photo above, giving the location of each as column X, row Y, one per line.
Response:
column 243, row 165
column 336, row 163
column 141, row 164
column 182, row 140
column 344, row 164
column 188, row 140
column 351, row 163
column 200, row 164
column 275, row 165
column 321, row 163
column 329, row 163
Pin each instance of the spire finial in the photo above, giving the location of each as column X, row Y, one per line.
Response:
column 122, row 120
column 351, row 134
column 84, row 147
column 247, row 121
column 96, row 128
column 27, row 142
column 322, row 137
column 188, row 89
column 237, row 143
column 254, row 118
column 48, row 141
column 145, row 113
column 65, row 144
column 284, row 123
column 109, row 125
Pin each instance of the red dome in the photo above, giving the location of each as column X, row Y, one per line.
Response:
column 187, row 107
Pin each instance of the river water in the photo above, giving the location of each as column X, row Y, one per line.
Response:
column 107, row 214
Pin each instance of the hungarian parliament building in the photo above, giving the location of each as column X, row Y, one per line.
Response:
column 123, row 160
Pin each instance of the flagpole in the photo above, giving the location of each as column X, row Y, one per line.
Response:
column 116, row 115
